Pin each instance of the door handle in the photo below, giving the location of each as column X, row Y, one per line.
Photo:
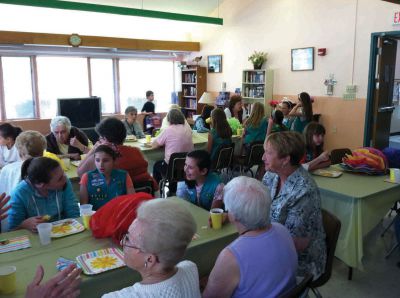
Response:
column 386, row 109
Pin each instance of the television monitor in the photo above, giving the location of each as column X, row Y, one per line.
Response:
column 83, row 112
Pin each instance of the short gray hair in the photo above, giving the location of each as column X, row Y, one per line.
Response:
column 175, row 116
column 249, row 201
column 168, row 228
column 60, row 120
column 130, row 109
column 30, row 143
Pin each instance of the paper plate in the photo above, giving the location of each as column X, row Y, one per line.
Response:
column 66, row 227
column 102, row 260
column 327, row 173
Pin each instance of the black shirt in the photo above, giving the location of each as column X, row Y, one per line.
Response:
column 149, row 107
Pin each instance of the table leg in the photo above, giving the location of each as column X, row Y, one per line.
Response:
column 350, row 274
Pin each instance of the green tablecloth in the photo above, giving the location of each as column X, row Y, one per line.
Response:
column 360, row 202
column 203, row 251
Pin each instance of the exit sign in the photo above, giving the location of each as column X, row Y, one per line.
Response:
column 396, row 18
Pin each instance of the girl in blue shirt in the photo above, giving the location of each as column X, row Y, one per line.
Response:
column 220, row 133
column 104, row 183
column 200, row 124
column 44, row 194
column 202, row 187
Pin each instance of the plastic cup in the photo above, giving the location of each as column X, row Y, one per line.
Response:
column 148, row 138
column 7, row 279
column 239, row 131
column 392, row 177
column 44, row 230
column 216, row 218
column 67, row 163
column 397, row 175
column 86, row 219
column 86, row 209
column 83, row 156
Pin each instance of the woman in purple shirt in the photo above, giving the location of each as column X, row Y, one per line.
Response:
column 262, row 262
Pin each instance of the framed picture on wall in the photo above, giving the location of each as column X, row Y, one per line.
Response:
column 303, row 59
column 214, row 63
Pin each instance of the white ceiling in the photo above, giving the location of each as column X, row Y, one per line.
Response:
column 207, row 8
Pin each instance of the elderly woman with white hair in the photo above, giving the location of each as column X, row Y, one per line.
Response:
column 154, row 246
column 262, row 262
column 66, row 140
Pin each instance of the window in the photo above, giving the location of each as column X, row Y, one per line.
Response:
column 138, row 76
column 17, row 87
column 103, row 83
column 60, row 77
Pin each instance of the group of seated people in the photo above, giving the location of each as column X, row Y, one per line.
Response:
column 279, row 219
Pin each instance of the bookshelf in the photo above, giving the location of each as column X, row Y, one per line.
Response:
column 194, row 83
column 257, row 86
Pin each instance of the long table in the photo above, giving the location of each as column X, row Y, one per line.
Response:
column 360, row 202
column 203, row 251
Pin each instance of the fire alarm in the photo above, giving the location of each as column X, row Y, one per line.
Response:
column 322, row 52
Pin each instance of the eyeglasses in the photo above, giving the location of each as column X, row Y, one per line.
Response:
column 125, row 243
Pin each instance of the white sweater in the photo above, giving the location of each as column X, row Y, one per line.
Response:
column 184, row 284
column 8, row 156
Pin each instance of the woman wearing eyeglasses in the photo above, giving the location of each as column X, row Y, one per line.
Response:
column 154, row 246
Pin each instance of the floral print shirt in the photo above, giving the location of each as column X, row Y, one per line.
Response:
column 298, row 207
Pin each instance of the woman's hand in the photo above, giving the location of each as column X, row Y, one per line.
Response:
column 74, row 142
column 31, row 223
column 64, row 284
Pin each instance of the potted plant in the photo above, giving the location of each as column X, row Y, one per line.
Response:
column 258, row 59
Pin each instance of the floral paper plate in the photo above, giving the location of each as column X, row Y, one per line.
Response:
column 66, row 227
column 102, row 260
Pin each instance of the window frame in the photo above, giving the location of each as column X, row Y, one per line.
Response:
column 65, row 54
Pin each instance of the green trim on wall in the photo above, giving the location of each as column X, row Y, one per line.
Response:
column 115, row 10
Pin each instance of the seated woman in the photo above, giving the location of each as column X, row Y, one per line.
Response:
column 133, row 128
column 8, row 152
column 176, row 138
column 44, row 192
column 154, row 246
column 112, row 132
column 200, row 125
column 105, row 183
column 316, row 157
column 255, row 127
column 262, row 261
column 275, row 123
column 29, row 144
column 235, row 108
column 202, row 187
column 220, row 133
column 301, row 113
column 296, row 202
column 66, row 140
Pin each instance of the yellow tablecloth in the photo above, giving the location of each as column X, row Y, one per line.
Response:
column 203, row 251
column 360, row 202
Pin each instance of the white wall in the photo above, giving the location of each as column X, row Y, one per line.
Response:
column 343, row 27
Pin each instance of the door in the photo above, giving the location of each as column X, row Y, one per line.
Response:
column 383, row 95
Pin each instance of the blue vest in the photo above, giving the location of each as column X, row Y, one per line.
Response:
column 207, row 192
column 99, row 192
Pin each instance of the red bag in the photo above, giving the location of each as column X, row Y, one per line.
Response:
column 115, row 217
